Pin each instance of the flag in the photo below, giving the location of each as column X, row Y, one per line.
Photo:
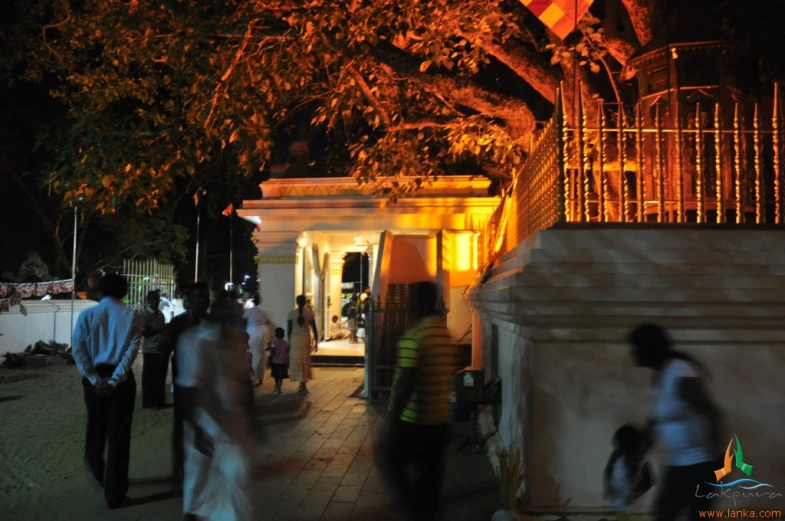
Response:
column 228, row 210
column 559, row 15
column 198, row 195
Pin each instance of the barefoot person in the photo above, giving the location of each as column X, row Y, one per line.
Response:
column 218, row 448
column 299, row 325
column 105, row 344
column 259, row 338
column 337, row 330
column 279, row 359
column 156, row 359
column 685, row 423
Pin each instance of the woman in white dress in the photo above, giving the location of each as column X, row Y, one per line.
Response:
column 299, row 326
column 259, row 334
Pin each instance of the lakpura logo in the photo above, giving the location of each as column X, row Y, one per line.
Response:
column 746, row 486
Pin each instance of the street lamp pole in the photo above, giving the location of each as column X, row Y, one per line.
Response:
column 73, row 277
column 231, row 249
column 198, row 221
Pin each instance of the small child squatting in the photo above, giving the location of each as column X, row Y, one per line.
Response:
column 627, row 477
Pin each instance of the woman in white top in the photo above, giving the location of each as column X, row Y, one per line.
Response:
column 684, row 422
column 260, row 336
column 299, row 325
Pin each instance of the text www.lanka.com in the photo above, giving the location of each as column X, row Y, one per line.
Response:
column 732, row 513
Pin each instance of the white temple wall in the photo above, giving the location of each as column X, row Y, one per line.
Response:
column 558, row 309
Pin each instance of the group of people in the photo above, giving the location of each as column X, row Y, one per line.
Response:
column 216, row 357
column 212, row 447
column 355, row 312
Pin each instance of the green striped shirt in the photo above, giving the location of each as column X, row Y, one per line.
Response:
column 427, row 347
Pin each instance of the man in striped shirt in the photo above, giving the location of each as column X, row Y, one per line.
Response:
column 419, row 409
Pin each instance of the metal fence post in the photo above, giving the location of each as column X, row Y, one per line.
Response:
column 369, row 348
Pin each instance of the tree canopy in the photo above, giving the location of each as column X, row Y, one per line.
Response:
column 164, row 96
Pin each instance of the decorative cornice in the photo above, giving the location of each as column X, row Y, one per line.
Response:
column 278, row 259
column 335, row 263
column 350, row 187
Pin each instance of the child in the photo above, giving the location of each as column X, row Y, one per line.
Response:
column 279, row 354
column 627, row 476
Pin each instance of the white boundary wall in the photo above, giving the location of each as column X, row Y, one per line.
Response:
column 45, row 320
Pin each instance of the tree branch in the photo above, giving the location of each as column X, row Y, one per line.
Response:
column 529, row 66
column 436, row 122
column 643, row 15
column 46, row 27
column 515, row 112
column 621, row 43
column 373, row 100
column 228, row 71
column 54, row 231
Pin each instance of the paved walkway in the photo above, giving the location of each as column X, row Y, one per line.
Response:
column 315, row 461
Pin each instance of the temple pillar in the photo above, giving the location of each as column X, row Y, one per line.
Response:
column 299, row 271
column 335, row 279
column 373, row 254
column 278, row 261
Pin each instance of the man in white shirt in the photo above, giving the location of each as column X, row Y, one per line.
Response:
column 167, row 307
column 105, row 343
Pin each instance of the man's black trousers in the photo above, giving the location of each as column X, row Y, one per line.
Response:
column 109, row 421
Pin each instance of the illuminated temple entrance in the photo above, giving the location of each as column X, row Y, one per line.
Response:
column 305, row 228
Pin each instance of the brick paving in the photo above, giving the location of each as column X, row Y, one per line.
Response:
column 317, row 463
column 314, row 458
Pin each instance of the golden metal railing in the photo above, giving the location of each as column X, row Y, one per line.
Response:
column 648, row 166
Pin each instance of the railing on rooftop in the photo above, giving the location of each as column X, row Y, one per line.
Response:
column 688, row 162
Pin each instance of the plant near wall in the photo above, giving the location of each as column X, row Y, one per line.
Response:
column 511, row 475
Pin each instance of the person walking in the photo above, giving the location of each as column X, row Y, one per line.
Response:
column 259, row 338
column 419, row 408
column 218, row 446
column 685, row 422
column 196, row 302
column 352, row 315
column 156, row 359
column 299, row 325
column 279, row 359
column 105, row 344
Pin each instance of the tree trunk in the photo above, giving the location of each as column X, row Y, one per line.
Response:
column 644, row 17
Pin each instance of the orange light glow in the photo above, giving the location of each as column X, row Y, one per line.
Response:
column 465, row 252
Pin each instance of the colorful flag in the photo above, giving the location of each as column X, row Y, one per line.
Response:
column 198, row 195
column 228, row 210
column 559, row 15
